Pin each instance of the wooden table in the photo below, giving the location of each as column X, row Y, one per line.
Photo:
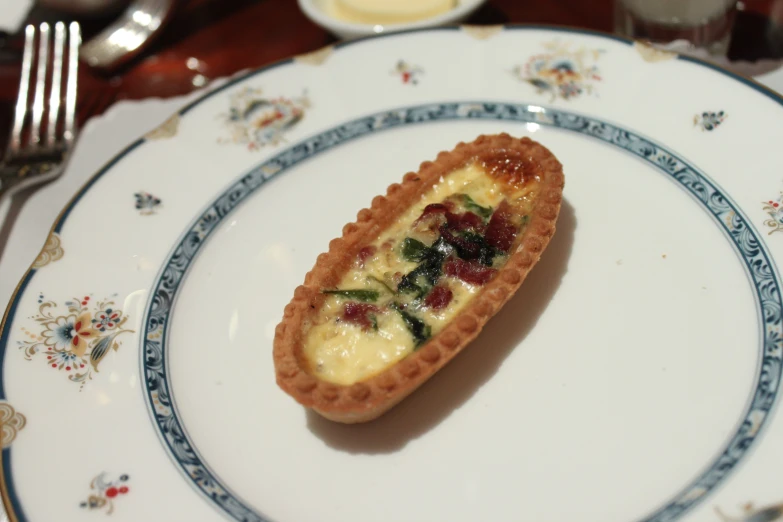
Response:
column 213, row 38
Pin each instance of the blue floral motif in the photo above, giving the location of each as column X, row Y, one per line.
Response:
column 146, row 203
column 725, row 213
column 106, row 319
column 561, row 72
column 255, row 120
column 75, row 340
column 61, row 332
column 708, row 120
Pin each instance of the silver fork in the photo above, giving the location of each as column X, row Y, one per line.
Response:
column 41, row 157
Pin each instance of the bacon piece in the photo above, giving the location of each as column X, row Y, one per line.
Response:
column 437, row 208
column 501, row 229
column 366, row 253
column 469, row 271
column 359, row 313
column 465, row 221
column 433, row 216
column 438, row 298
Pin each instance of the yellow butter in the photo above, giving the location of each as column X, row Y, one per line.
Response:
column 387, row 11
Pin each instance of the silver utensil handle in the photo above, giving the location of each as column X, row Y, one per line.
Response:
column 14, row 178
column 128, row 35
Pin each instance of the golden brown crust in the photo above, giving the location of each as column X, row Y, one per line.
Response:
column 366, row 400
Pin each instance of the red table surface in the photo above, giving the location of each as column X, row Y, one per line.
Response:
column 226, row 36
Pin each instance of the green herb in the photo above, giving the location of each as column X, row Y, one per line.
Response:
column 418, row 281
column 382, row 283
column 474, row 207
column 420, row 330
column 413, row 250
column 374, row 321
column 368, row 296
column 486, row 252
column 422, row 278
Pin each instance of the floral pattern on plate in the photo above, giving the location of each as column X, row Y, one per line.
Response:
column 52, row 251
column 708, row 120
column 76, row 337
column 774, row 209
column 104, row 492
column 146, row 203
column 749, row 514
column 561, row 72
column 408, row 73
column 255, row 120
column 12, row 423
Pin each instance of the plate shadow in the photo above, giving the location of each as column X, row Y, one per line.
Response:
column 459, row 380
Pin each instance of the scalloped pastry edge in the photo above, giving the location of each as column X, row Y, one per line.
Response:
column 371, row 398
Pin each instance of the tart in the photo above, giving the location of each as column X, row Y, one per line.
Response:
column 414, row 280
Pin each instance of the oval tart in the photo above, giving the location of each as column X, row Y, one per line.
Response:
column 414, row 280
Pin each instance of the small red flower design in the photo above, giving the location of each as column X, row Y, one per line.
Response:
column 106, row 319
column 104, row 492
column 775, row 214
column 409, row 74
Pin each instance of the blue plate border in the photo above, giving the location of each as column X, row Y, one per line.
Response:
column 726, row 214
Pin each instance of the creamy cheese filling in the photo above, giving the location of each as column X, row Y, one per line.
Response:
column 392, row 324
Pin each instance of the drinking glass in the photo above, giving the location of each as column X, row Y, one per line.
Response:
column 706, row 24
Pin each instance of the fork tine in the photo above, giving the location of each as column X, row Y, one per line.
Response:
column 40, row 83
column 54, row 97
column 24, row 86
column 75, row 40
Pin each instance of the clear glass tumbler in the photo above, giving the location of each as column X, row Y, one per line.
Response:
column 706, row 24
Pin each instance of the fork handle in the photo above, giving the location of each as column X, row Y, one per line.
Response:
column 16, row 177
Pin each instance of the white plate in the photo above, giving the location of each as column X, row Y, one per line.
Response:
column 633, row 377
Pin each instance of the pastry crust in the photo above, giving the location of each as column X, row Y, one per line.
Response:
column 370, row 398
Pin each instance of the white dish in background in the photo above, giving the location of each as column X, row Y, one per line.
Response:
column 661, row 391
column 315, row 10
